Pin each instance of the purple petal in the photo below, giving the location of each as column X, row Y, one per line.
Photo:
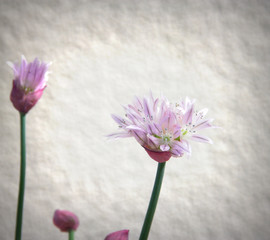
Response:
column 133, row 118
column 162, row 109
column 138, row 102
column 151, row 96
column 149, row 129
column 152, row 142
column 133, row 115
column 40, row 75
column 177, row 152
column 36, row 79
column 136, row 128
column 147, row 110
column 200, row 138
column 23, row 71
column 30, row 75
column 153, row 129
column 120, row 121
column 177, row 132
column 171, row 119
column 203, row 124
column 119, row 135
column 188, row 146
column 131, row 107
column 155, row 105
column 181, row 146
column 153, row 139
column 187, row 118
column 140, row 137
column 157, row 127
column 168, row 120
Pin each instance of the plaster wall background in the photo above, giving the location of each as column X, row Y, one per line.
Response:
column 105, row 52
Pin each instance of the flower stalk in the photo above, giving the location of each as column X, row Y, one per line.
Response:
column 153, row 202
column 19, row 221
column 71, row 234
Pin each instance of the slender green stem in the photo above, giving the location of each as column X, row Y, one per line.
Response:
column 71, row 234
column 153, row 202
column 19, row 221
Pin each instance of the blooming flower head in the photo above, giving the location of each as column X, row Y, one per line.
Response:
column 65, row 220
column 28, row 84
column 162, row 128
column 119, row 235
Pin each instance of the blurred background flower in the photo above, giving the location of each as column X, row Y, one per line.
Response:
column 119, row 235
column 28, row 84
column 65, row 220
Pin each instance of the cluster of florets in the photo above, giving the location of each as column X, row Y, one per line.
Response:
column 28, row 84
column 162, row 127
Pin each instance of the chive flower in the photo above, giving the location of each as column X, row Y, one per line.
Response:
column 28, row 84
column 162, row 128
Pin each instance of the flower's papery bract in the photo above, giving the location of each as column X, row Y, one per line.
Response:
column 28, row 84
column 162, row 127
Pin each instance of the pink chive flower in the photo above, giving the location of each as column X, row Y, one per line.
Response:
column 65, row 220
column 162, row 128
column 119, row 235
column 28, row 84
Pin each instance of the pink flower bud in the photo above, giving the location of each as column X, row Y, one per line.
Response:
column 28, row 84
column 65, row 220
column 119, row 235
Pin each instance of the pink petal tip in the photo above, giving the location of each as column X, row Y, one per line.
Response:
column 119, row 235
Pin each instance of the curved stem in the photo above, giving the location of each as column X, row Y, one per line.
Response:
column 153, row 202
column 19, row 220
column 71, row 234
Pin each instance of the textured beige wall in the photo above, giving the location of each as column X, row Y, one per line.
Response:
column 105, row 52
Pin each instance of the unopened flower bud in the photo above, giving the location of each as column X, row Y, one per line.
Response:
column 65, row 220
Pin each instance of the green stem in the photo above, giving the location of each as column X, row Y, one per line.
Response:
column 19, row 221
column 71, row 234
column 153, row 202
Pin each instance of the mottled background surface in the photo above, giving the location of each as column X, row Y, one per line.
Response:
column 105, row 52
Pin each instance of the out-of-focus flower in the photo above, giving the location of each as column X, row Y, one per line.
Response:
column 161, row 127
column 28, row 84
column 119, row 235
column 65, row 220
